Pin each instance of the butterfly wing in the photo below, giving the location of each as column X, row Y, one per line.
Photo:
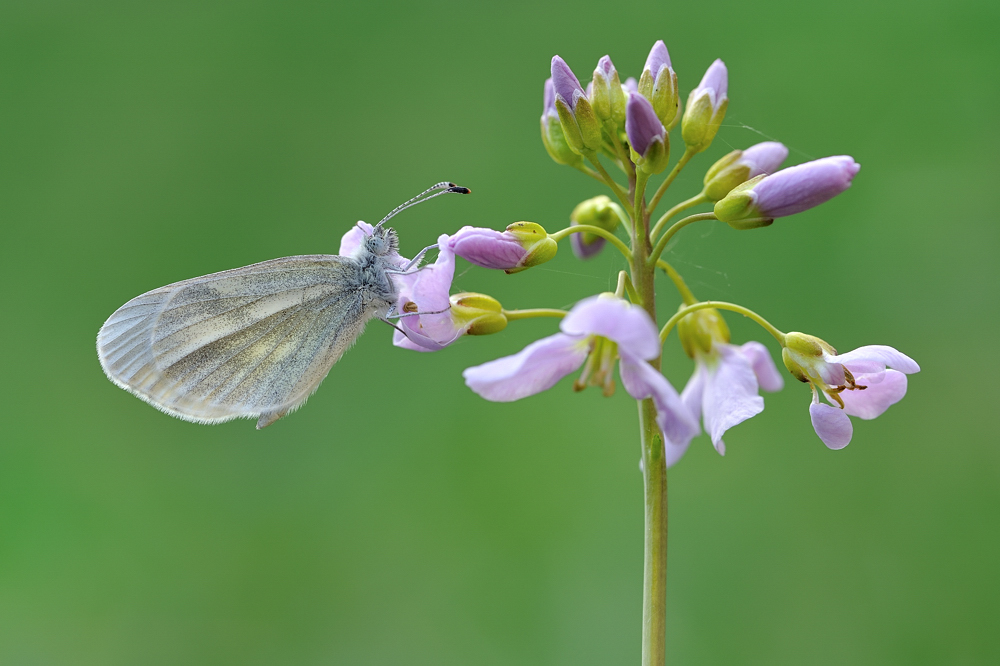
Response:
column 250, row 342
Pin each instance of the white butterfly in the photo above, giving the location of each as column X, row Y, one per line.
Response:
column 256, row 341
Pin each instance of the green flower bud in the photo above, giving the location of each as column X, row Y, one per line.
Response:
column 706, row 108
column 699, row 330
column 536, row 242
column 478, row 314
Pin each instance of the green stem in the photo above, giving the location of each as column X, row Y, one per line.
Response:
column 721, row 305
column 583, row 168
column 678, row 281
column 623, row 155
column 654, row 474
column 638, row 205
column 597, row 231
column 532, row 313
column 609, row 181
column 661, row 244
column 679, row 208
column 685, row 158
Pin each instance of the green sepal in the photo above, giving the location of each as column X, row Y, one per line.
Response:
column 600, row 96
column 664, row 96
column 645, row 86
column 571, row 131
column 700, row 330
column 590, row 125
column 657, row 156
column 479, row 314
column 555, row 144
column 724, row 176
column 536, row 241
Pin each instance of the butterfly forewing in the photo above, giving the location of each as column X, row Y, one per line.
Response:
column 249, row 342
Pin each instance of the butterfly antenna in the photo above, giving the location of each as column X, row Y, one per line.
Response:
column 428, row 194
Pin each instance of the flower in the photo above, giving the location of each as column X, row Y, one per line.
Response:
column 646, row 135
column 425, row 291
column 723, row 389
column 706, row 107
column 658, row 84
column 741, row 165
column 520, row 246
column 787, row 192
column 604, row 318
column 864, row 382
column 579, row 122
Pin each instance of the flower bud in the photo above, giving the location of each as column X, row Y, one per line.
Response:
column 607, row 96
column 658, row 84
column 701, row 329
column 478, row 314
column 599, row 212
column 522, row 245
column 553, row 137
column 646, row 135
column 787, row 192
column 739, row 166
column 706, row 107
column 579, row 122
column 538, row 247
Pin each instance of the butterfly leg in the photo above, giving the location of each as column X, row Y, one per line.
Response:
column 420, row 255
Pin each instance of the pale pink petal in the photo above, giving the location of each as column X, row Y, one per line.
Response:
column 882, row 355
column 878, row 397
column 674, row 452
column 767, row 373
column 831, row 373
column 534, row 369
column 831, row 424
column 428, row 288
column 641, row 381
column 730, row 394
column 613, row 318
column 691, row 396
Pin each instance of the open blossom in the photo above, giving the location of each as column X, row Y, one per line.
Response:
column 723, row 388
column 422, row 291
column 540, row 365
column 864, row 382
column 722, row 392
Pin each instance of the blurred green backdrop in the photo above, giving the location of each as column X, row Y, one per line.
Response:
column 399, row 519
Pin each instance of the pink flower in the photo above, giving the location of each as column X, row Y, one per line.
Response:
column 723, row 388
column 540, row 365
column 421, row 291
column 864, row 382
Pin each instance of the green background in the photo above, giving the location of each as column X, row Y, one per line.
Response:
column 400, row 519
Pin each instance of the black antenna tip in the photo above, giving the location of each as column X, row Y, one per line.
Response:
column 459, row 189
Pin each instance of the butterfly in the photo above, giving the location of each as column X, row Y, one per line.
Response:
column 257, row 341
